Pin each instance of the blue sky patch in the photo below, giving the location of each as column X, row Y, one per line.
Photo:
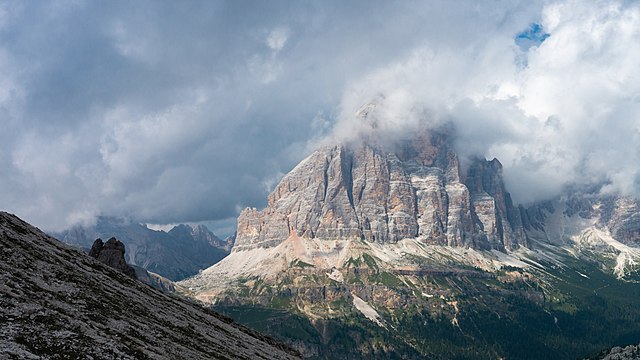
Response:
column 534, row 35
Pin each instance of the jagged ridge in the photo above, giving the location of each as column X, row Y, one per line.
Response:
column 385, row 194
column 176, row 254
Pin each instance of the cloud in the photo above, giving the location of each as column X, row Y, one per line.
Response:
column 277, row 38
column 159, row 111
column 185, row 112
column 571, row 115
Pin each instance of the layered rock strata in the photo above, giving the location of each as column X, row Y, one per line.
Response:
column 385, row 193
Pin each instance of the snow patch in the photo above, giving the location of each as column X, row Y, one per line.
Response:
column 336, row 275
column 366, row 310
column 583, row 275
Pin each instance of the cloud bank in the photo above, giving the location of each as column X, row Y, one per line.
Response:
column 174, row 112
column 562, row 108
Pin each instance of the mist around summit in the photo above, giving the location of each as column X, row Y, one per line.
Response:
column 560, row 110
column 121, row 116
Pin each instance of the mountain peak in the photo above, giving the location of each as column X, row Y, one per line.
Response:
column 365, row 112
column 386, row 193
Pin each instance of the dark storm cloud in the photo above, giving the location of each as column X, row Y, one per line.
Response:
column 189, row 111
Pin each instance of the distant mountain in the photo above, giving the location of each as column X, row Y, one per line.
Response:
column 200, row 234
column 381, row 249
column 112, row 254
column 59, row 303
column 176, row 254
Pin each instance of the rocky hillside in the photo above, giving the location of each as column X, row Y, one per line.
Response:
column 59, row 303
column 176, row 254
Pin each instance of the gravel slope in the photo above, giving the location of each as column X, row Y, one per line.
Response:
column 58, row 303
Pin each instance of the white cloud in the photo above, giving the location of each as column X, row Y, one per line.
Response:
column 277, row 38
column 267, row 67
column 165, row 115
column 571, row 115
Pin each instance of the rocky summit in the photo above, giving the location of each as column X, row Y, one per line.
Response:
column 58, row 303
column 401, row 249
column 384, row 194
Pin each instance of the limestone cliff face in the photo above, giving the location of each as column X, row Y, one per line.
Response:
column 385, row 193
column 502, row 222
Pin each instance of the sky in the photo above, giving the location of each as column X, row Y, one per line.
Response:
column 188, row 111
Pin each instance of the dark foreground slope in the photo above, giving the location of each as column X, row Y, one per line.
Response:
column 58, row 303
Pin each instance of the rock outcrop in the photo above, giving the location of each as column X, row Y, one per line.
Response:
column 385, row 193
column 111, row 254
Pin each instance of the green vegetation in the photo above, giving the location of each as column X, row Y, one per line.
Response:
column 352, row 262
column 386, row 278
column 280, row 302
column 370, row 261
column 555, row 312
column 300, row 264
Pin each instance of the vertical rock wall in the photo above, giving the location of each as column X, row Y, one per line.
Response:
column 387, row 193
